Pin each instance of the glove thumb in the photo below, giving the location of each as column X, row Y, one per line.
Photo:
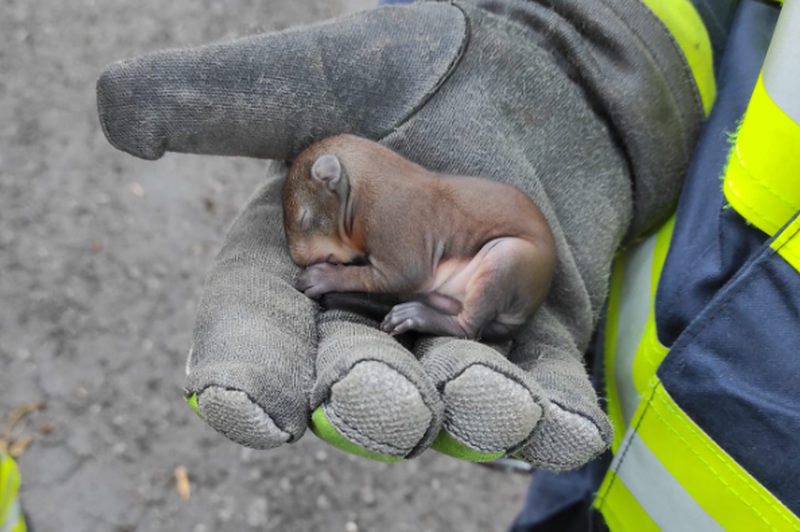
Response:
column 270, row 95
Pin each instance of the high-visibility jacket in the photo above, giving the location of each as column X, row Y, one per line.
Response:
column 11, row 518
column 699, row 354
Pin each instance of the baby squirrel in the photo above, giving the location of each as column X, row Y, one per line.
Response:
column 461, row 256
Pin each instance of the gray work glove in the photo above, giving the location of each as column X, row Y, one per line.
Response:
column 590, row 118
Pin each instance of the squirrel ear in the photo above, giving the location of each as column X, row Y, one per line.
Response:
column 327, row 170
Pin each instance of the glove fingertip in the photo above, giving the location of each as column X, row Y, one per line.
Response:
column 324, row 430
column 123, row 111
column 191, row 400
column 446, row 443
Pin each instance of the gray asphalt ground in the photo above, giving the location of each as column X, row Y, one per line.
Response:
column 102, row 259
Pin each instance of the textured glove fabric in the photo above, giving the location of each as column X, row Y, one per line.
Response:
column 587, row 107
column 271, row 95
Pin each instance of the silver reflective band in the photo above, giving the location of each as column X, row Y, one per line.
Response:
column 12, row 517
column 782, row 65
column 662, row 497
column 634, row 309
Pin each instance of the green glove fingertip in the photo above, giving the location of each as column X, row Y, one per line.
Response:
column 324, row 430
column 191, row 400
column 445, row 443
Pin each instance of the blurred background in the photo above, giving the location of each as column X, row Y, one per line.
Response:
column 102, row 259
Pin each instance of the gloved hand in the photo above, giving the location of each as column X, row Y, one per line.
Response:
column 512, row 92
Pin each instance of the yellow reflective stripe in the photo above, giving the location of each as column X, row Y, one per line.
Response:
column 610, row 348
column 650, row 487
column 651, row 351
column 657, row 491
column 629, row 307
column 620, row 509
column 762, row 181
column 698, row 471
column 9, row 485
column 682, row 20
column 727, row 492
column 632, row 348
column 695, row 469
column 14, row 521
column 781, row 67
column 634, row 309
column 788, row 245
column 21, row 527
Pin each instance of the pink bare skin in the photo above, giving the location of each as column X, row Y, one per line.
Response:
column 465, row 256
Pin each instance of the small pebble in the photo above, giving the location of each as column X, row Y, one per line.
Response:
column 351, row 526
column 136, row 189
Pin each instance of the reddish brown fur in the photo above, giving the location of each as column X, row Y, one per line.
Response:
column 410, row 223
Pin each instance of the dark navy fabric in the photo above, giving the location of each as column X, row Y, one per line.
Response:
column 710, row 244
column 736, row 372
column 718, row 18
column 563, row 502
